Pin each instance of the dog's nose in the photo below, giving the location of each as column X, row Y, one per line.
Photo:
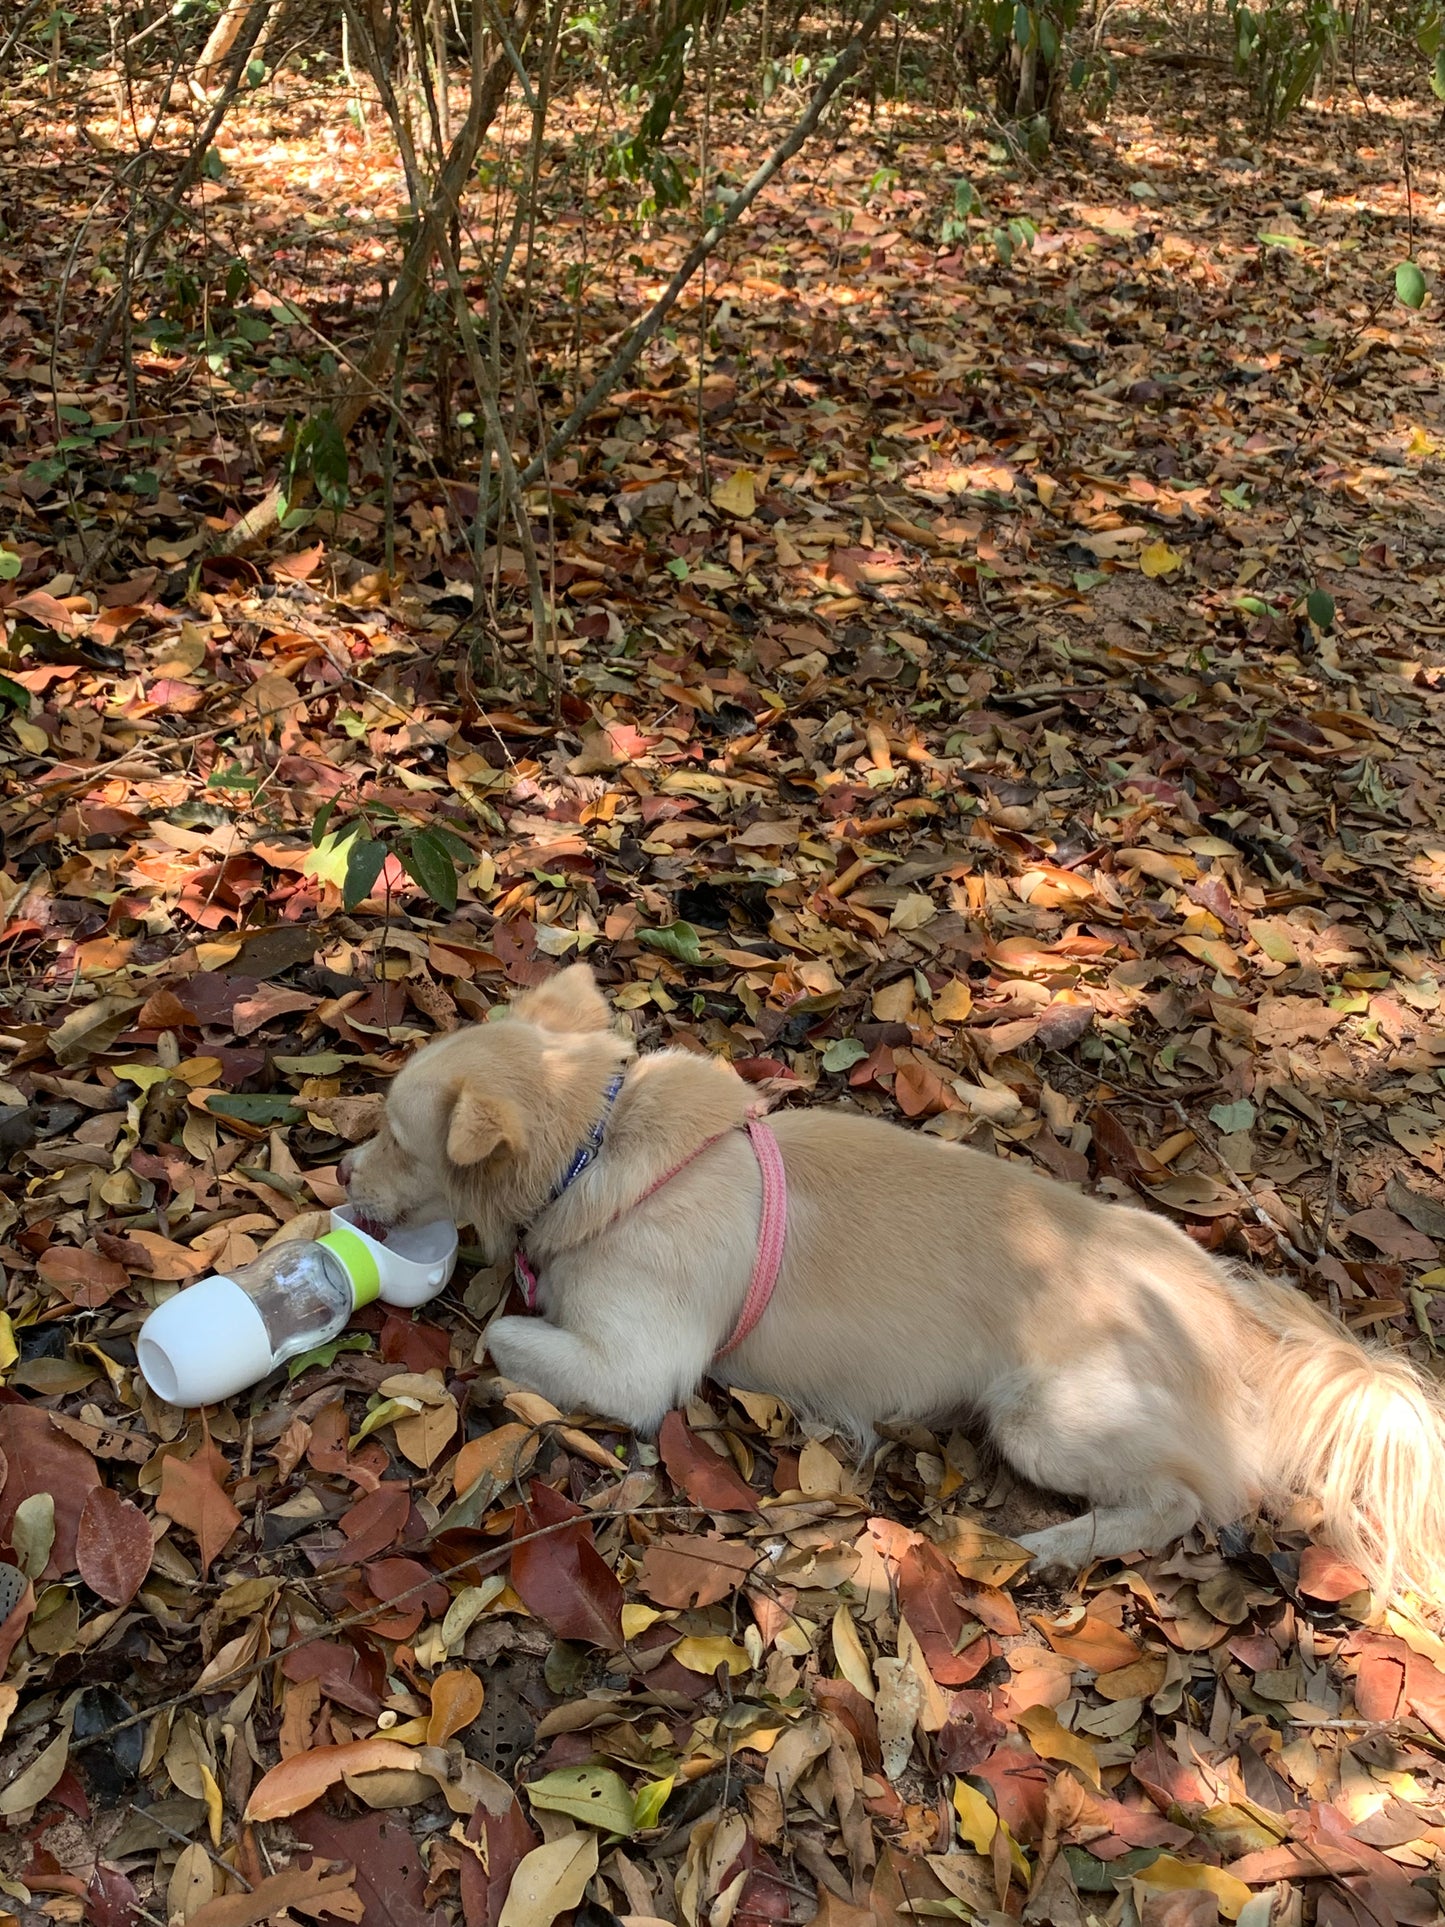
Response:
column 345, row 1169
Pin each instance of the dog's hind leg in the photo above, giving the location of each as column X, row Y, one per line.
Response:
column 1093, row 1428
column 1110, row 1530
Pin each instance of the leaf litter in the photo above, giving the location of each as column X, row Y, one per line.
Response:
column 1026, row 724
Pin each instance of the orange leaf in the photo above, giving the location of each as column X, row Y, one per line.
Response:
column 456, row 1699
column 504, row 1454
column 192, row 1496
column 296, row 1782
column 1092, row 1642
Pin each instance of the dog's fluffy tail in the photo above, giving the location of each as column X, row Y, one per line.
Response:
column 1362, row 1432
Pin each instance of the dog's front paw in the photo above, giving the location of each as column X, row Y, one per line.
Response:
column 511, row 1342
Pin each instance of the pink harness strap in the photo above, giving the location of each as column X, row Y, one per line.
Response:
column 772, row 1229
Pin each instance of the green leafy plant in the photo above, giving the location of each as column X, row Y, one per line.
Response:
column 1280, row 48
column 317, row 455
column 354, row 851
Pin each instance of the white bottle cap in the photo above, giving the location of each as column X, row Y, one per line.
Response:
column 205, row 1344
column 415, row 1261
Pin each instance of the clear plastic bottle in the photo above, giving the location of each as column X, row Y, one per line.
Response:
column 232, row 1330
column 304, row 1294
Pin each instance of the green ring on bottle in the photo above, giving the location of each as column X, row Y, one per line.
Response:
column 360, row 1262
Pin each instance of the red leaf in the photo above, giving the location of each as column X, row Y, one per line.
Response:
column 415, row 1344
column 347, row 1676
column 698, row 1471
column 110, row 1899
column 389, row 1873
column 508, row 1838
column 192, row 1495
column 113, row 1546
column 326, row 1450
column 373, row 1525
column 928, row 1591
column 562, row 1578
column 44, row 1460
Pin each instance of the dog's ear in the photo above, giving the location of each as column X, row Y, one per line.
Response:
column 568, row 1001
column 480, row 1125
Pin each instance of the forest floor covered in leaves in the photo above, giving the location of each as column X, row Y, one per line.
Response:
column 943, row 732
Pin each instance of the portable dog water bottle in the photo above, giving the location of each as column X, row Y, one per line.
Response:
column 230, row 1331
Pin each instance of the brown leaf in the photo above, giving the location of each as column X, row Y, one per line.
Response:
column 708, row 1479
column 113, row 1546
column 192, row 1495
column 561, row 1577
column 300, row 1887
column 929, row 1596
column 1293, row 1020
column 1390, row 1234
column 693, row 1569
column 85, row 1278
column 41, row 1459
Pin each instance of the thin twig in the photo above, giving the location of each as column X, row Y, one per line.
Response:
column 330, row 1627
column 843, row 69
column 1247, row 1197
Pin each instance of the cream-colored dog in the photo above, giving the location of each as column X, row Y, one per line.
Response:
column 1108, row 1356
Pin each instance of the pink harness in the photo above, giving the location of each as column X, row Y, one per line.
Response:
column 772, row 1229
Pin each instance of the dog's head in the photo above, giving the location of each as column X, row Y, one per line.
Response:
column 479, row 1124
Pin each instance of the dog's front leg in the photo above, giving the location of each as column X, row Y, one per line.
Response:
column 638, row 1383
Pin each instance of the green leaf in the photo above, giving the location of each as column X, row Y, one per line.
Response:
column 1320, row 608
column 449, row 840
column 1410, row 284
column 651, row 1799
column 16, row 694
column 10, row 565
column 843, row 1053
column 1437, row 74
column 323, row 817
column 1023, row 25
column 364, row 858
column 252, row 1107
column 595, row 1795
column 432, row 867
column 233, row 777
column 326, row 1354
column 1230, row 1118
column 316, row 1063
column 677, row 940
